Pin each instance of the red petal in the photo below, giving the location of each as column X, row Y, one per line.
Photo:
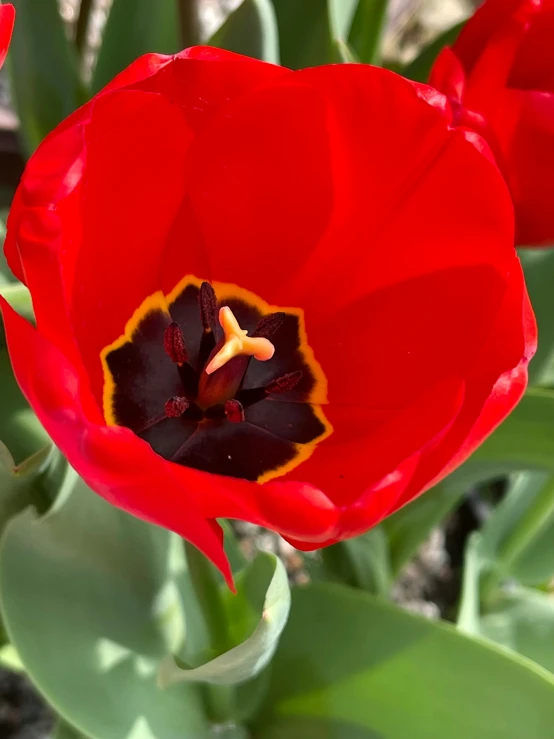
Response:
column 529, row 156
column 260, row 185
column 495, row 384
column 120, row 227
column 112, row 460
column 7, row 18
column 481, row 26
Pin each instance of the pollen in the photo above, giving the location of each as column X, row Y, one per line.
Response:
column 238, row 343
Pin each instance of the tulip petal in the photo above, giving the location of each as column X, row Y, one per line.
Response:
column 112, row 460
column 7, row 19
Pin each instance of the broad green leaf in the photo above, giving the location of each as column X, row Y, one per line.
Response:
column 538, row 266
column 523, row 620
column 351, row 666
column 133, row 28
column 367, row 29
column 63, row 730
column 90, row 600
column 251, row 29
column 267, row 575
column 420, row 68
column 44, row 70
column 305, row 38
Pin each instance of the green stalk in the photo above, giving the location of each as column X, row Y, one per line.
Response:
column 83, row 20
column 219, row 699
column 531, row 525
column 208, row 593
column 189, row 22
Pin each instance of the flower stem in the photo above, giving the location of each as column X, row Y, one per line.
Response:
column 531, row 525
column 208, row 593
column 83, row 20
column 189, row 21
column 219, row 699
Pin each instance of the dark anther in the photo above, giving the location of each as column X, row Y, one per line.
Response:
column 285, row 383
column 234, row 411
column 176, row 406
column 269, row 325
column 208, row 306
column 174, row 344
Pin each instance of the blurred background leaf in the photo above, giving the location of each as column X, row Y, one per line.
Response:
column 44, row 72
column 251, row 29
column 396, row 675
column 133, row 28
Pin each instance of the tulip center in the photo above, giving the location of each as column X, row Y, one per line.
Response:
column 214, row 378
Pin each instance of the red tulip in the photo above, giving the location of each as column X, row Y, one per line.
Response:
column 364, row 244
column 499, row 77
column 7, row 18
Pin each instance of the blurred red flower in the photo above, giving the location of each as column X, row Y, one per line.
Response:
column 499, row 76
column 364, row 244
column 7, row 18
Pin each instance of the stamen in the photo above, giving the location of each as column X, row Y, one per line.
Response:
column 237, row 343
column 176, row 406
column 284, row 384
column 208, row 306
column 269, row 325
column 234, row 411
column 174, row 344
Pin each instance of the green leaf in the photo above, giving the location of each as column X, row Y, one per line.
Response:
column 251, row 29
column 523, row 620
column 266, row 575
column 90, row 600
column 134, row 28
column 367, row 30
column 355, row 667
column 420, row 68
column 344, row 53
column 305, row 38
column 44, row 70
column 63, row 730
column 341, row 15
column 517, row 536
column 538, row 266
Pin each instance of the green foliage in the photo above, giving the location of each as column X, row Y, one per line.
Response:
column 354, row 667
column 44, row 70
column 523, row 620
column 252, row 30
column 133, row 28
column 90, row 599
column 263, row 589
